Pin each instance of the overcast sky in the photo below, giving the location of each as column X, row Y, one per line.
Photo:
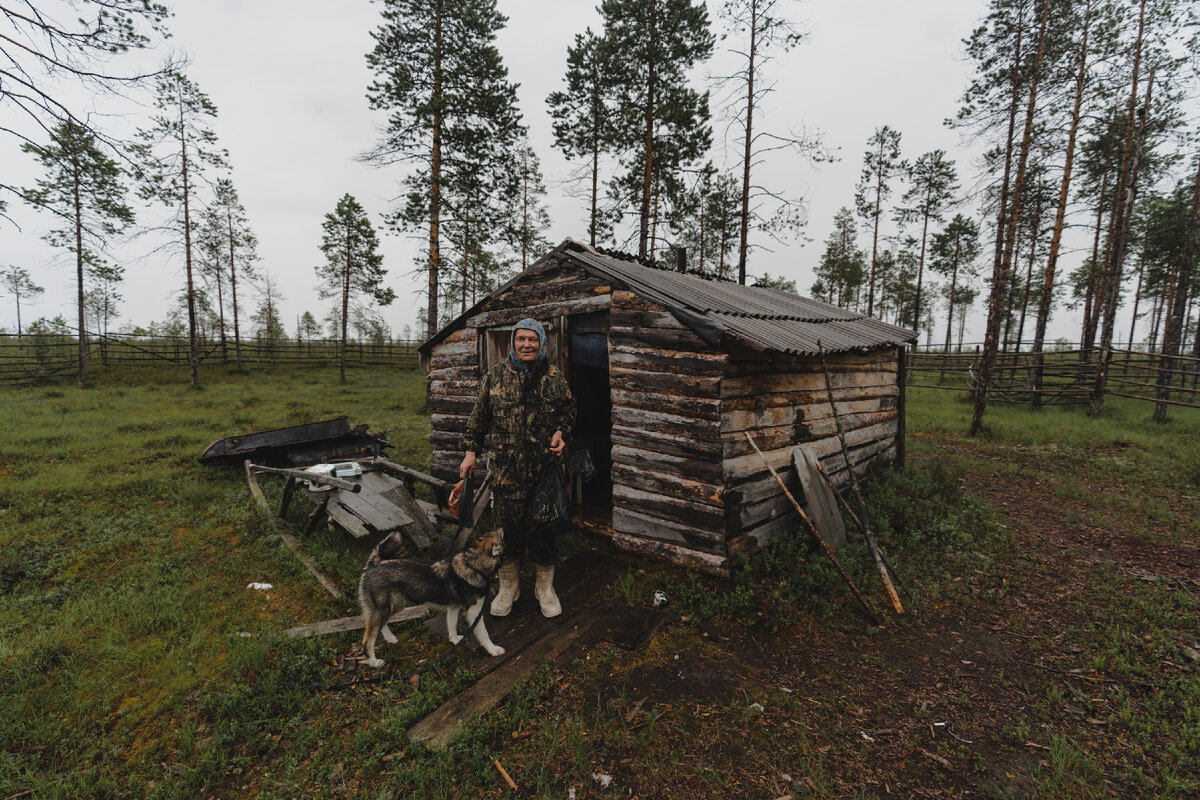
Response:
column 289, row 79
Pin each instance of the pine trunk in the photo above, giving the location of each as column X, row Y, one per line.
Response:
column 1119, row 226
column 82, row 337
column 435, row 186
column 1173, row 332
column 345, row 302
column 744, row 216
column 999, row 278
column 193, row 344
column 1044, row 301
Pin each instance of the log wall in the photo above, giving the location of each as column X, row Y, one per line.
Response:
column 668, row 486
column 783, row 403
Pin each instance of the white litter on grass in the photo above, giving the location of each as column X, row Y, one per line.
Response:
column 864, row 735
column 757, row 707
column 571, row 793
column 262, row 587
column 602, row 778
column 786, row 778
column 787, row 689
column 244, row 634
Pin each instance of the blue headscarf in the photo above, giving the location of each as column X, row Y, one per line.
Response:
column 527, row 324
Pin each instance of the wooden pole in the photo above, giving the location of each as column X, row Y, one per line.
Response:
column 863, row 522
column 289, row 541
column 816, row 534
column 854, row 518
column 304, row 475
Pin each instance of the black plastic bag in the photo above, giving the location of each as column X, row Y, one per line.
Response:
column 548, row 506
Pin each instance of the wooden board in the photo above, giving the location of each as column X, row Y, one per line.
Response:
column 354, row 623
column 822, row 505
column 530, row 641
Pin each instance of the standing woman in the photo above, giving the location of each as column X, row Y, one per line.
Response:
column 527, row 408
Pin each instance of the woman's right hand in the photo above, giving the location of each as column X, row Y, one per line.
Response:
column 468, row 464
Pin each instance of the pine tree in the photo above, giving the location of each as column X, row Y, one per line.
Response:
column 528, row 219
column 173, row 153
column 583, row 117
column 17, row 282
column 881, row 162
column 661, row 123
column 762, row 28
column 83, row 187
column 353, row 267
column 932, row 182
column 46, row 56
column 952, row 254
column 842, row 267
column 241, row 248
column 452, row 112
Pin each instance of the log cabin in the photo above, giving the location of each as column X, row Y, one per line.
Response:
column 670, row 370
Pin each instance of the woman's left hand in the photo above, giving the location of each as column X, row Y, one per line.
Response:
column 557, row 445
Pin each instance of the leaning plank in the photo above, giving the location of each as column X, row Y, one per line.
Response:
column 289, row 541
column 439, row 727
column 822, row 505
column 354, row 623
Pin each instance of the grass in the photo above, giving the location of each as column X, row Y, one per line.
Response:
column 135, row 663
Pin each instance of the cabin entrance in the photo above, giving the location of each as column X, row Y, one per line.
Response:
column 587, row 373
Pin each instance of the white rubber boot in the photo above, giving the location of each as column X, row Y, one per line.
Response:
column 510, row 589
column 543, row 590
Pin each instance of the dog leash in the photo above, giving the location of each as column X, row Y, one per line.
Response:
column 378, row 681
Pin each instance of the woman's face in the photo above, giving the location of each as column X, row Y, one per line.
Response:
column 527, row 344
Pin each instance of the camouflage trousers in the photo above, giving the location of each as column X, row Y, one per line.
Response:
column 519, row 536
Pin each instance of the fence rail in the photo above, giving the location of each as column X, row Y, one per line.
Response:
column 1067, row 375
column 35, row 357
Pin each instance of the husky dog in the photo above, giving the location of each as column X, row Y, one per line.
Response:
column 388, row 548
column 451, row 584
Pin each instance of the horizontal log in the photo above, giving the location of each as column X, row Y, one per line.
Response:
column 745, row 466
column 695, row 407
column 448, row 422
column 633, row 522
column 703, row 386
column 805, row 429
column 804, row 382
column 662, row 422
column 677, row 446
column 708, row 521
column 838, row 362
column 664, row 338
column 454, row 373
column 503, row 315
column 706, row 471
column 712, row 563
column 673, row 361
column 767, row 531
column 451, row 404
column 880, row 393
column 760, row 486
column 669, row 485
column 457, row 347
column 880, row 453
column 623, row 298
column 437, row 362
column 751, row 514
column 460, row 335
column 448, row 441
column 637, row 318
column 460, row 387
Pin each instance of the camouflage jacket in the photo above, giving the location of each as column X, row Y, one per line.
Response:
column 521, row 411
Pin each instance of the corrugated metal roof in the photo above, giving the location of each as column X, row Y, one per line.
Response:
column 771, row 318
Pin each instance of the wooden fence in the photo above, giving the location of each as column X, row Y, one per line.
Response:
column 34, row 357
column 1067, row 375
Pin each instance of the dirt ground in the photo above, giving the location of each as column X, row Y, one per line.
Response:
column 994, row 688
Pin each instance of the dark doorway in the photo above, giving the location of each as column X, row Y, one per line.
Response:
column 588, row 371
